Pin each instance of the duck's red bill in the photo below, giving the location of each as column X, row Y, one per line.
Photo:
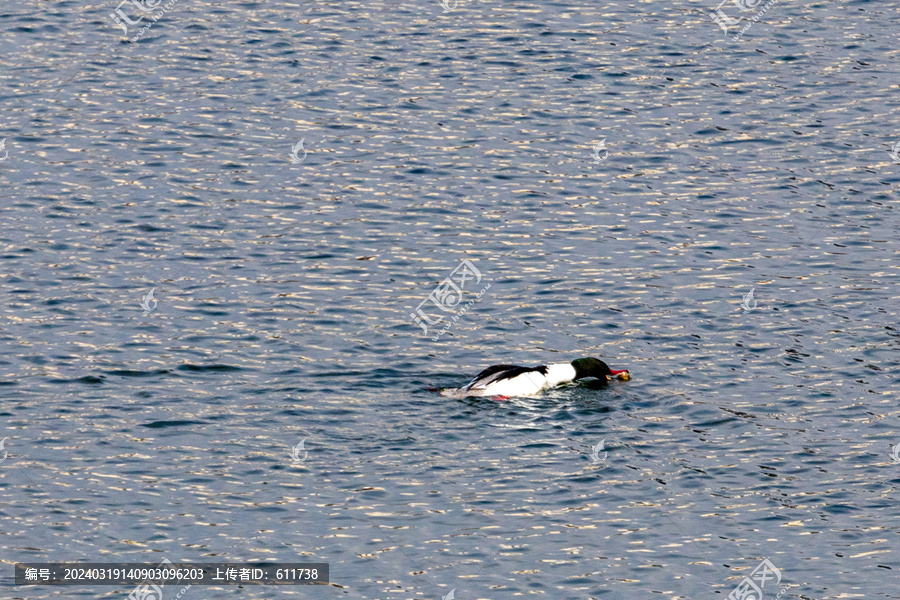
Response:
column 623, row 374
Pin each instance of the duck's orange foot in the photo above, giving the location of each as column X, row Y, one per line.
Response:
column 500, row 398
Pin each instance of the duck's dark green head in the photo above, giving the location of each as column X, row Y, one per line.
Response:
column 594, row 367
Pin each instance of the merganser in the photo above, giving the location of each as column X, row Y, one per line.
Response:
column 506, row 381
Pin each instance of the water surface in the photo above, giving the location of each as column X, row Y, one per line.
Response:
column 284, row 290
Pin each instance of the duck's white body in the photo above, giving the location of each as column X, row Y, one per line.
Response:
column 511, row 380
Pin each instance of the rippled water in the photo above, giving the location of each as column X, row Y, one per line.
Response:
column 284, row 289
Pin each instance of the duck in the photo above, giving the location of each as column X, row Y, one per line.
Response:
column 506, row 381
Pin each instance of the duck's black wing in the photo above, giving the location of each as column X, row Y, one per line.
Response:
column 501, row 372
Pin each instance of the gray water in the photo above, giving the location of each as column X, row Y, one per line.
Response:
column 283, row 292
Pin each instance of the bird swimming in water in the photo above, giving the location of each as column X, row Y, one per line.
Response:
column 506, row 381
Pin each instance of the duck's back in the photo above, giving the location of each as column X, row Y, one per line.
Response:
column 508, row 380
